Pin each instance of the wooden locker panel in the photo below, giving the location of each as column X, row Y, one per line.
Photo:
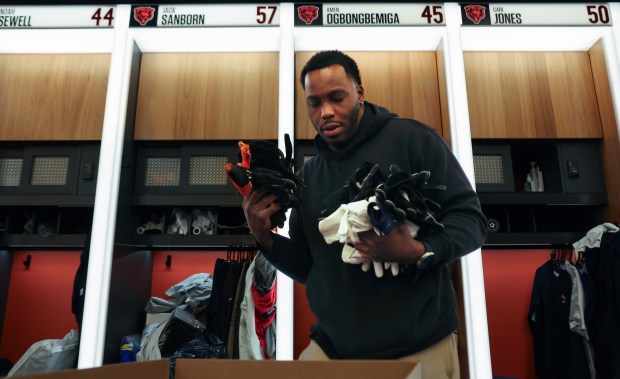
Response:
column 52, row 97
column 531, row 95
column 214, row 96
column 610, row 144
column 405, row 82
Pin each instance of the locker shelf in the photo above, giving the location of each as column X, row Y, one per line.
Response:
column 531, row 239
column 39, row 242
column 168, row 241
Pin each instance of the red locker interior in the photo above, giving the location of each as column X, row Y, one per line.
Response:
column 39, row 300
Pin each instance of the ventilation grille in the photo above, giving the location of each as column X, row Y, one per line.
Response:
column 162, row 171
column 10, row 171
column 208, row 170
column 488, row 169
column 50, row 171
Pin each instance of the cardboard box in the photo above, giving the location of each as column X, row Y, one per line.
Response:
column 238, row 369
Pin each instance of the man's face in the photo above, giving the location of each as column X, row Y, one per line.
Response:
column 333, row 102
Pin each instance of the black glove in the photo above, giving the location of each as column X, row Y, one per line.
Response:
column 263, row 165
column 361, row 185
column 402, row 195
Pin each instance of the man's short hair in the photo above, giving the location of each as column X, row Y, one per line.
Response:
column 328, row 58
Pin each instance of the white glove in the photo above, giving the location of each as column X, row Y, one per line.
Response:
column 343, row 226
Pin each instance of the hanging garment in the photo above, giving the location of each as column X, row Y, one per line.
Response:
column 264, row 282
column 249, row 344
column 264, row 301
column 603, row 310
column 227, row 303
column 558, row 352
column 576, row 318
column 233, row 330
column 214, row 309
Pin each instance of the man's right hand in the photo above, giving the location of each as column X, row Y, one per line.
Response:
column 258, row 206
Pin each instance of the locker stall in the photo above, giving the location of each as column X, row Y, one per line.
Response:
column 51, row 106
column 192, row 95
column 545, row 97
column 403, row 69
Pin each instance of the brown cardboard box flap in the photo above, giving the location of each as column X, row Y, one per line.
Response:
column 138, row 370
column 239, row 369
column 341, row 369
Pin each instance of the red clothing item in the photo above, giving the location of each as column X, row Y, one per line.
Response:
column 265, row 313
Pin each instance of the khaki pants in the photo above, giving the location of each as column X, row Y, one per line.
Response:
column 440, row 361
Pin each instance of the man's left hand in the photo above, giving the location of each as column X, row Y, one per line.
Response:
column 397, row 246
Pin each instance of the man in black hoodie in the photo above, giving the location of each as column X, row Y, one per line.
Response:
column 360, row 316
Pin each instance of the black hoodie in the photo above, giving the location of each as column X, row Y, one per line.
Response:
column 359, row 315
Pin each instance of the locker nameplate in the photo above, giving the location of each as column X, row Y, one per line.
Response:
column 388, row 14
column 51, row 17
column 565, row 14
column 183, row 16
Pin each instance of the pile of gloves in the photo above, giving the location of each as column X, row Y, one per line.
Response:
column 370, row 201
column 262, row 164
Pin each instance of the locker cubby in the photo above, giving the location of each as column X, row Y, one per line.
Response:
column 163, row 220
column 29, row 220
column 568, row 207
column 159, row 226
column 45, row 226
column 539, row 224
column 545, row 156
column 75, row 220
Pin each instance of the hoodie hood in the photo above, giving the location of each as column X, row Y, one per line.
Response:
column 373, row 119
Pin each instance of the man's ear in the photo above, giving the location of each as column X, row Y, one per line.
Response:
column 360, row 92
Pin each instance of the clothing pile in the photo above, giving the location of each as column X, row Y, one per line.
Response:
column 263, row 165
column 172, row 322
column 371, row 201
column 230, row 314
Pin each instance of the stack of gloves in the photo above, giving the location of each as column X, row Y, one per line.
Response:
column 262, row 164
column 369, row 201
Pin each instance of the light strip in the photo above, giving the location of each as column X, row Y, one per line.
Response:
column 56, row 41
column 478, row 348
column 478, row 38
column 198, row 40
column 285, row 328
column 417, row 38
column 93, row 333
